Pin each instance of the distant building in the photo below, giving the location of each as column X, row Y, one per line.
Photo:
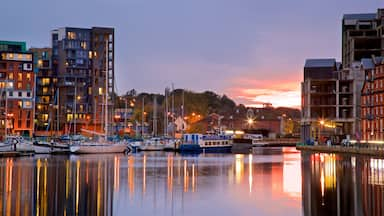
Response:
column 83, row 61
column 372, row 106
column 17, row 89
column 330, row 99
column 362, row 36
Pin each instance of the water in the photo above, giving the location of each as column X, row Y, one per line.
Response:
column 277, row 181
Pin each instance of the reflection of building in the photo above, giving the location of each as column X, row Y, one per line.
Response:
column 330, row 99
column 16, row 86
column 342, row 185
column 81, row 187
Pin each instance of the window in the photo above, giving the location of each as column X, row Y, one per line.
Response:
column 29, row 76
column 71, row 35
column 45, row 81
column 10, row 93
column 28, row 94
column 100, row 91
column 10, row 76
column 45, row 90
column 19, row 76
column 19, row 103
column 19, row 85
column 20, row 94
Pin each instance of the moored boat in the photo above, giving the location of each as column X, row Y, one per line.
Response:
column 98, row 148
column 206, row 143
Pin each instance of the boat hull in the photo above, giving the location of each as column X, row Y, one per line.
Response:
column 198, row 149
column 98, row 149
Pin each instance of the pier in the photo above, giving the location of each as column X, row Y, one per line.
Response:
column 362, row 149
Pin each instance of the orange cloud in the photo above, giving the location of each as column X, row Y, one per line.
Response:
column 281, row 93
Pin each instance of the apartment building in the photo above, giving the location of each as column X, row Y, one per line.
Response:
column 83, row 62
column 17, row 82
column 372, row 106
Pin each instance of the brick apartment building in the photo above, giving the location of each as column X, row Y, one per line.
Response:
column 17, row 89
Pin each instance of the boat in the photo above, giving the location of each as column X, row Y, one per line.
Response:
column 99, row 148
column 171, row 144
column 256, row 140
column 44, row 147
column 152, row 144
column 16, row 143
column 197, row 143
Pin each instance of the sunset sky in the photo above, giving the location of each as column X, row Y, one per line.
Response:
column 250, row 50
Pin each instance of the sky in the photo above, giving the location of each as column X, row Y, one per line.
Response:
column 250, row 50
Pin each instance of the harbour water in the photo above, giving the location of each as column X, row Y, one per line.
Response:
column 271, row 181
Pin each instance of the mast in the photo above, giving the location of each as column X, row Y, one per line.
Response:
column 142, row 119
column 6, row 109
column 154, row 116
column 74, row 102
column 166, row 112
column 182, row 114
column 106, row 88
column 58, row 110
column 173, row 111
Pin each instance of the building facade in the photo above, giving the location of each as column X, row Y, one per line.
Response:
column 362, row 36
column 372, row 106
column 83, row 61
column 46, row 96
column 330, row 100
column 17, row 85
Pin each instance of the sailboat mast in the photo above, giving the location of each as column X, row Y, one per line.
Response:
column 173, row 111
column 142, row 119
column 182, row 114
column 75, row 105
column 154, row 116
column 106, row 88
column 6, row 109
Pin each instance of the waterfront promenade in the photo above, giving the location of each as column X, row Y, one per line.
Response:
column 359, row 149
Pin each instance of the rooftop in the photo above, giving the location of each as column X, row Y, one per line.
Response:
column 360, row 16
column 318, row 63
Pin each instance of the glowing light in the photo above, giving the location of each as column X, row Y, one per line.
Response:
column 250, row 121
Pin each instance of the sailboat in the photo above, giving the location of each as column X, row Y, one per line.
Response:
column 155, row 143
column 102, row 145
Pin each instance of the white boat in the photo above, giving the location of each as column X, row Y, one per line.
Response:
column 152, row 144
column 171, row 144
column 42, row 147
column 16, row 143
column 256, row 140
column 99, row 147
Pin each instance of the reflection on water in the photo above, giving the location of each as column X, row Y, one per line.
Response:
column 342, row 185
column 264, row 183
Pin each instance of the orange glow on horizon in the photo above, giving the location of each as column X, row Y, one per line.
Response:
column 280, row 93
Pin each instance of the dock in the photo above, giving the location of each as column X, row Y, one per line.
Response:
column 15, row 154
column 367, row 150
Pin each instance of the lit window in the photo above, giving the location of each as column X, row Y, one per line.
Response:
column 71, row 35
column 40, row 62
column 27, row 104
column 19, row 85
column 29, row 76
column 100, row 91
column 10, row 76
column 45, row 90
column 45, row 81
column 20, row 103
column 69, row 117
column 83, row 45
column 20, row 76
column 90, row 54
column 45, row 117
column 20, row 56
